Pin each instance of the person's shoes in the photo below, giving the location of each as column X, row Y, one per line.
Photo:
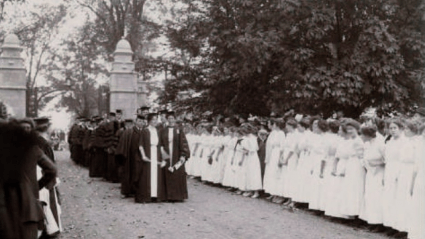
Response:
column 270, row 198
column 378, row 229
column 289, row 201
column 400, row 235
column 239, row 192
column 391, row 232
column 279, row 200
column 256, row 195
column 246, row 194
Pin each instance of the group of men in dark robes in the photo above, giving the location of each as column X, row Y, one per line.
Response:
column 146, row 155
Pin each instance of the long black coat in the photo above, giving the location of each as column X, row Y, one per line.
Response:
column 175, row 181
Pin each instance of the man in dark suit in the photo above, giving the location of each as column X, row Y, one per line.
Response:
column 21, row 215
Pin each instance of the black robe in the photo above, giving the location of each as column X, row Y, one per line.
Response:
column 142, row 177
column 175, row 182
column 127, row 153
column 99, row 161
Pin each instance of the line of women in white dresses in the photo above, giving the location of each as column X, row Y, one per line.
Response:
column 337, row 167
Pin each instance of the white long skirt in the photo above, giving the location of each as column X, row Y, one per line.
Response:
column 389, row 194
column 272, row 173
column 229, row 179
column 416, row 229
column 373, row 209
column 302, row 195
column 353, row 188
column 290, row 181
column 253, row 172
column 403, row 197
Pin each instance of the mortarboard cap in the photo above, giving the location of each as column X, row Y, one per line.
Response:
column 171, row 113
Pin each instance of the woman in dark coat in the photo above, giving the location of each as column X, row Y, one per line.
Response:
column 173, row 141
column 149, row 176
column 21, row 214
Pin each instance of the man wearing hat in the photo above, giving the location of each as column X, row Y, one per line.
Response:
column 144, row 111
column 162, row 119
column 110, row 143
column 42, row 124
column 71, row 137
column 175, row 148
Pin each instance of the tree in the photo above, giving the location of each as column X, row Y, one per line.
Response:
column 114, row 17
column 36, row 33
column 74, row 71
column 312, row 56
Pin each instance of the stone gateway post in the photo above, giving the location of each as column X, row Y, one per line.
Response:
column 13, row 76
column 126, row 91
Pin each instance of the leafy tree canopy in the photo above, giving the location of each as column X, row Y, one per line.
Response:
column 258, row 56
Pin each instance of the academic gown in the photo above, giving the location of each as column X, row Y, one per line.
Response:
column 143, row 178
column 98, row 164
column 175, row 182
column 127, row 153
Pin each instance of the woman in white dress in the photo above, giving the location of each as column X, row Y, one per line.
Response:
column 290, row 156
column 304, row 165
column 241, row 161
column 215, row 154
column 407, row 166
column 253, row 168
column 374, row 185
column 195, row 167
column 336, row 179
column 392, row 157
column 229, row 172
column 319, row 169
column 273, row 172
column 206, row 146
column 416, row 229
column 354, row 177
column 225, row 153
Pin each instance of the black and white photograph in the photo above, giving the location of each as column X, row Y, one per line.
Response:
column 206, row 119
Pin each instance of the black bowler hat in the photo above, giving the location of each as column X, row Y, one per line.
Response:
column 145, row 107
column 151, row 115
column 163, row 112
column 119, row 111
column 171, row 113
column 141, row 117
column 128, row 120
column 41, row 121
column 112, row 114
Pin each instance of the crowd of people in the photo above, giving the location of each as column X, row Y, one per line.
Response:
column 369, row 173
column 29, row 198
column 146, row 155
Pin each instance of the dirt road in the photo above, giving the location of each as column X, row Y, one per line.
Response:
column 93, row 208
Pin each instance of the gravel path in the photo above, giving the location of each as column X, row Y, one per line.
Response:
column 92, row 208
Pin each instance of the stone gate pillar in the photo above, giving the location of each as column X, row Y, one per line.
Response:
column 123, row 81
column 13, row 76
